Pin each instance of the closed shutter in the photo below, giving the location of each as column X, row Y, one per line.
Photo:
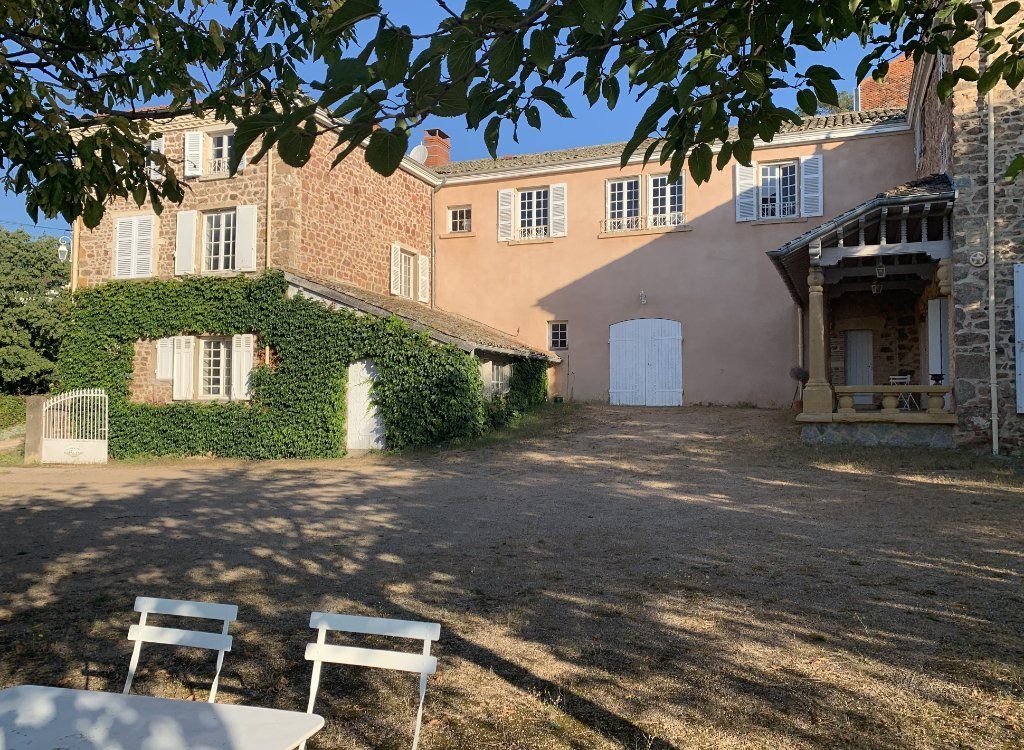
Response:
column 1018, row 330
column 185, row 243
column 245, row 238
column 811, row 187
column 396, row 268
column 156, row 146
column 746, row 192
column 165, row 359
column 423, row 288
column 242, row 351
column 145, row 239
column 124, row 250
column 559, row 209
column 194, row 142
column 184, row 368
column 506, row 199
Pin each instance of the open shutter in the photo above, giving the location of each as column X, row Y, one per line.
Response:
column 156, row 146
column 165, row 359
column 124, row 250
column 145, row 239
column 184, row 368
column 185, row 243
column 242, row 350
column 194, row 141
column 746, row 192
column 396, row 268
column 1018, row 330
column 559, row 209
column 811, row 202
column 423, row 287
column 505, row 200
column 245, row 238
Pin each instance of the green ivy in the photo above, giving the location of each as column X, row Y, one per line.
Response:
column 12, row 411
column 426, row 392
column 527, row 388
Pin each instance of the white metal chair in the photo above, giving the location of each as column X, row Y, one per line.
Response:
column 143, row 633
column 907, row 401
column 321, row 651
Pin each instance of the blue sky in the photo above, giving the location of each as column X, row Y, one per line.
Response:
column 591, row 125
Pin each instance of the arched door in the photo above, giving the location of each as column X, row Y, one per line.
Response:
column 646, row 362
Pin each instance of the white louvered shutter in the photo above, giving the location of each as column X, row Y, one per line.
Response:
column 396, row 268
column 811, row 186
column 194, row 143
column 185, row 243
column 124, row 250
column 156, row 146
column 145, row 240
column 423, row 287
column 184, row 368
column 165, row 359
column 245, row 238
column 506, row 200
column 242, row 351
column 559, row 193
column 746, row 192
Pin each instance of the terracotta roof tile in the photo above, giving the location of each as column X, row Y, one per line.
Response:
column 608, row 150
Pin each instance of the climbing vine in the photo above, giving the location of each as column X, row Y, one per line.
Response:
column 425, row 392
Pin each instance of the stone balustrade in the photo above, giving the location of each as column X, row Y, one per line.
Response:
column 931, row 398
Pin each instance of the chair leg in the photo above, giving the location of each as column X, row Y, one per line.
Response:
column 134, row 663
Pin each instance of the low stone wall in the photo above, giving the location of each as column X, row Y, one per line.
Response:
column 873, row 433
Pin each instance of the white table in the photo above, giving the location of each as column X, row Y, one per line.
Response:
column 47, row 718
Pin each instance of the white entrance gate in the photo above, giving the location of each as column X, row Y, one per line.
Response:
column 365, row 427
column 75, row 427
column 646, row 362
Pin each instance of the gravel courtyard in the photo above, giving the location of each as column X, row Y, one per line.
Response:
column 604, row 577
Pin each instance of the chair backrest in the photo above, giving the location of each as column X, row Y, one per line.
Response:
column 143, row 633
column 424, row 664
column 899, row 380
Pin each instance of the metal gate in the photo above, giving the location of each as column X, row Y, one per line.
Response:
column 75, row 427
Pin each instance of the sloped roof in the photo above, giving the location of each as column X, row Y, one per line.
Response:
column 447, row 327
column 612, row 150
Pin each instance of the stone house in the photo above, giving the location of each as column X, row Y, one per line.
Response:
column 863, row 246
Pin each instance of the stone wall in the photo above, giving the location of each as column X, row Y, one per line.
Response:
column 934, row 125
column 350, row 215
column 970, row 284
column 893, row 318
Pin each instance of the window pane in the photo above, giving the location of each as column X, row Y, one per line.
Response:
column 216, row 368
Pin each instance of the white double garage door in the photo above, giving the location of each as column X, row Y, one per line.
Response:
column 646, row 362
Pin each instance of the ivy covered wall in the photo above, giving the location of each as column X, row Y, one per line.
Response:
column 426, row 392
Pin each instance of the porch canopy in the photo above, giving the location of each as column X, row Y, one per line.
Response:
column 896, row 245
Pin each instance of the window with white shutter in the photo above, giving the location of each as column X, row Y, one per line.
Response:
column 405, row 272
column 195, row 145
column 423, row 283
column 156, row 146
column 245, row 241
column 219, row 240
column 165, row 359
column 211, row 368
column 559, row 209
column 777, row 190
column 506, row 222
column 396, row 268
column 746, row 192
column 812, row 184
column 185, row 242
column 184, row 368
column 242, row 351
column 134, row 243
column 666, row 205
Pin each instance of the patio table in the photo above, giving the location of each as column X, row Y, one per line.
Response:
column 48, row 718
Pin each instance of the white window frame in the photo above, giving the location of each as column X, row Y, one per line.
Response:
column 501, row 376
column 673, row 212
column 460, row 219
column 530, row 203
column 219, row 241
column 223, row 391
column 558, row 334
column 220, row 152
column 407, row 283
column 623, row 204
column 776, row 211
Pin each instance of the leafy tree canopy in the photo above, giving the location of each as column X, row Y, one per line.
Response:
column 33, row 308
column 267, row 65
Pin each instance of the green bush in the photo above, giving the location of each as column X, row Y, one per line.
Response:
column 527, row 388
column 426, row 392
column 12, row 411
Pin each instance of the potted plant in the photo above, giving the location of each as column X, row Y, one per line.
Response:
column 801, row 376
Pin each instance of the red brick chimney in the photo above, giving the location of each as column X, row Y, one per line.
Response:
column 439, row 147
column 891, row 91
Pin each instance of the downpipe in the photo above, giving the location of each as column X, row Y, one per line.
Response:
column 992, row 373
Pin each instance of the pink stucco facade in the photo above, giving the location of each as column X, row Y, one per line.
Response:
column 739, row 323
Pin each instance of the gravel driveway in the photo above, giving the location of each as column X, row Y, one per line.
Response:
column 604, row 577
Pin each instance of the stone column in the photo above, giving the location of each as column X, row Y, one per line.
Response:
column 817, row 392
column 34, row 429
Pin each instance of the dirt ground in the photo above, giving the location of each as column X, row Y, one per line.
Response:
column 604, row 578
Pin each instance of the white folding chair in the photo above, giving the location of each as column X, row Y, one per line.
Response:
column 321, row 651
column 143, row 633
column 907, row 401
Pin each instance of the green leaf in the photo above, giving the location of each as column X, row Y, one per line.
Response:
column 723, row 156
column 807, row 100
column 247, row 131
column 1007, row 12
column 826, row 91
column 506, row 56
column 700, row 163
column 461, row 56
column 988, row 79
column 491, row 135
column 752, row 81
column 394, row 47
column 610, row 89
column 1016, row 167
column 553, row 99
column 347, row 14
column 542, row 48
column 385, row 150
